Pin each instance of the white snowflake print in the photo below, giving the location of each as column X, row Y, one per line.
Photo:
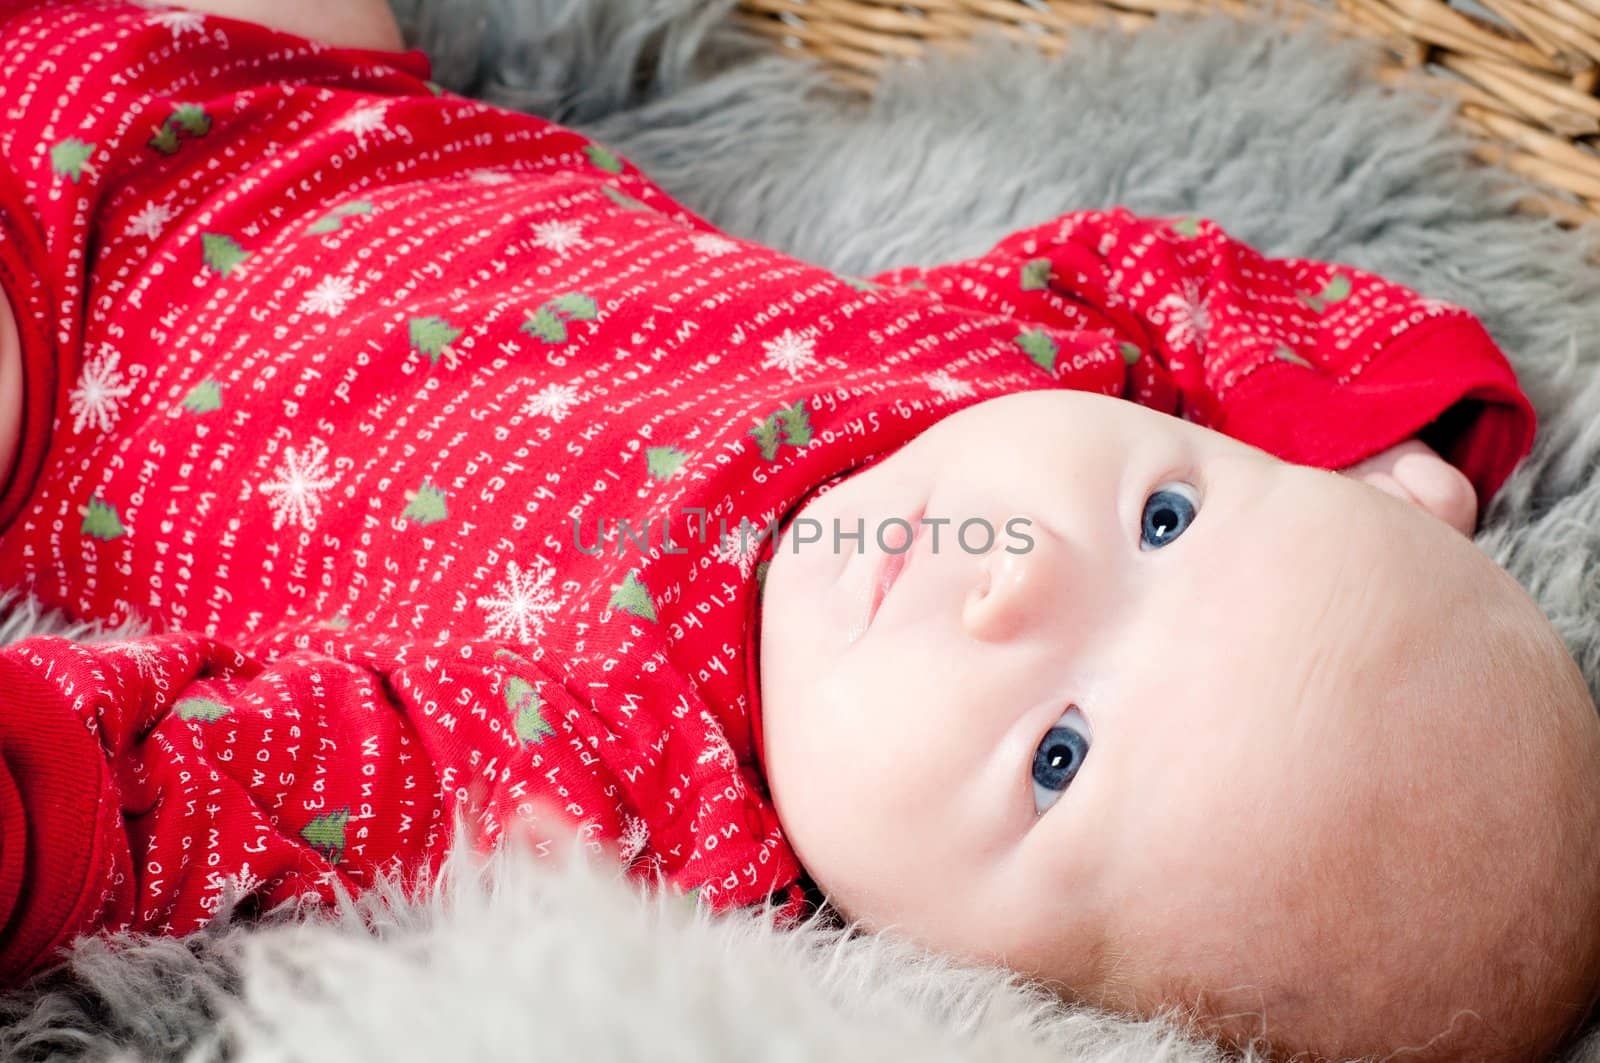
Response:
column 521, row 602
column 483, row 176
column 238, row 885
column 180, row 22
column 718, row 751
column 790, row 352
column 635, row 836
column 558, row 236
column 741, row 545
column 1187, row 317
column 713, row 246
column 98, row 397
column 1434, row 307
column 144, row 656
column 364, row 120
column 947, row 385
column 329, row 296
column 301, row 480
column 554, row 401
column 149, row 222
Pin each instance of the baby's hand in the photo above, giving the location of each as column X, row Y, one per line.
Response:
column 1413, row 472
column 540, row 825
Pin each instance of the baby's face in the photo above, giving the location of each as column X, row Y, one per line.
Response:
column 1135, row 754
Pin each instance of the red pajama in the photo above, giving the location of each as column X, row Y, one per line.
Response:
column 333, row 379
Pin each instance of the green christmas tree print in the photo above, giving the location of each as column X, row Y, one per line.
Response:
column 325, row 833
column 767, row 436
column 1038, row 345
column 425, row 505
column 192, row 119
column 186, row 120
column 1130, row 352
column 333, row 221
column 546, row 325
column 796, row 423
column 70, row 158
column 434, row 87
column 204, row 397
column 664, row 462
column 859, row 284
column 603, row 159
column 1036, row 274
column 1335, row 290
column 632, row 596
column 788, row 425
column 527, row 711
column 549, row 322
column 166, row 140
column 202, row 709
column 433, row 336
column 222, row 253
column 622, row 199
column 100, row 521
column 576, row 307
column 1187, row 227
column 1285, row 354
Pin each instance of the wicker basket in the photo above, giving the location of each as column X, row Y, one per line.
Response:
column 1524, row 71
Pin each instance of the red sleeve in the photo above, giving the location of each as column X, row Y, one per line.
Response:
column 23, row 285
column 140, row 779
column 1319, row 364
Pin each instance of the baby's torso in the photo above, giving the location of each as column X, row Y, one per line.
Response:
column 358, row 355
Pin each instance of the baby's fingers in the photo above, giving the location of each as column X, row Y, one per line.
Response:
column 547, row 829
column 1412, row 472
column 540, row 825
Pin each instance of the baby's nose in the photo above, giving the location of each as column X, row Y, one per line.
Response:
column 1016, row 587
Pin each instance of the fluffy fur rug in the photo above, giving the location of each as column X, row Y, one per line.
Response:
column 1278, row 136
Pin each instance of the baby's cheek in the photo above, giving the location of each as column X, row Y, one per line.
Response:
column 10, row 389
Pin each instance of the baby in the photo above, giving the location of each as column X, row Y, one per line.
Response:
column 461, row 472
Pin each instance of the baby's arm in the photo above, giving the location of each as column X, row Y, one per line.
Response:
column 1317, row 363
column 139, row 779
column 343, row 23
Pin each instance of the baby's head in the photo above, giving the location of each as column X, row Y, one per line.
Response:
column 1209, row 731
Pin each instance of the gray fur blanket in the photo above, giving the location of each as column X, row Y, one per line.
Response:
column 1280, row 137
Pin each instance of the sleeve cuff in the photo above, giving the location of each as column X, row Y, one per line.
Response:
column 58, row 822
column 1445, row 382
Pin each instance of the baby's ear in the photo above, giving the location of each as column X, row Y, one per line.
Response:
column 1413, row 472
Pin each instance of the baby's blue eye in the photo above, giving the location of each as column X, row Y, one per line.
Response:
column 1168, row 512
column 1059, row 756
